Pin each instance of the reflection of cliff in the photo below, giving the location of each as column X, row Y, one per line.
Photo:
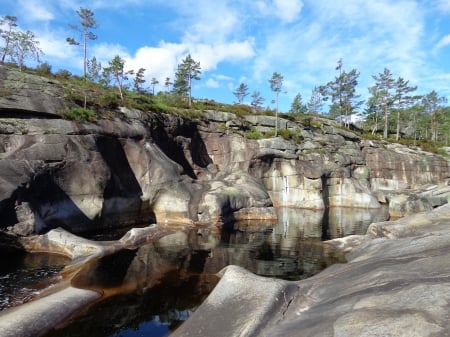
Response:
column 349, row 221
column 290, row 248
column 164, row 168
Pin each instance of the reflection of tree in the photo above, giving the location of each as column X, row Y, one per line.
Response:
column 265, row 252
column 166, row 280
column 168, row 302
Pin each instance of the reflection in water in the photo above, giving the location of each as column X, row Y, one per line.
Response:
column 22, row 276
column 151, row 290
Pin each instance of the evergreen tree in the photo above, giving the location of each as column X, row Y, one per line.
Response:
column 297, row 106
column 433, row 105
column 374, row 110
column 385, row 84
column 117, row 71
column 257, row 100
column 139, row 80
column 241, row 92
column 315, row 103
column 154, row 82
column 10, row 23
column 342, row 92
column 276, row 83
column 87, row 23
column 23, row 45
column 188, row 70
column 94, row 69
column 168, row 84
column 403, row 99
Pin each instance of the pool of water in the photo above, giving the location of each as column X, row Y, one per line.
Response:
column 151, row 290
column 23, row 276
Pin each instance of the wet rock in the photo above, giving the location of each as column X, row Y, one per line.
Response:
column 393, row 285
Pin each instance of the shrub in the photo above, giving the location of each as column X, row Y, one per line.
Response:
column 44, row 69
column 108, row 100
column 291, row 135
column 63, row 73
column 78, row 114
column 253, row 134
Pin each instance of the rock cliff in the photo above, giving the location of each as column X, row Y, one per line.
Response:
column 148, row 167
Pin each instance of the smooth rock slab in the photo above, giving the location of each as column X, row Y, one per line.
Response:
column 39, row 317
column 396, row 283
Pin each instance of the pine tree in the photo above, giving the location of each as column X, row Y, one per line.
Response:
column 385, row 84
column 315, row 103
column 87, row 23
column 342, row 92
column 154, row 82
column 11, row 23
column 297, row 106
column 94, row 69
column 188, row 70
column 23, row 45
column 257, row 100
column 168, row 84
column 241, row 92
column 139, row 80
column 276, row 83
column 403, row 99
column 117, row 71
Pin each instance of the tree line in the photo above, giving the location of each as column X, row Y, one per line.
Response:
column 392, row 107
column 19, row 46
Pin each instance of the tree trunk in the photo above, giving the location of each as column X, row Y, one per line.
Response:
column 385, row 132
column 397, row 137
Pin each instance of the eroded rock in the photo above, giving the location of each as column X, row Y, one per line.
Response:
column 398, row 287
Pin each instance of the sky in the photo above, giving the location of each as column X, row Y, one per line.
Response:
column 246, row 41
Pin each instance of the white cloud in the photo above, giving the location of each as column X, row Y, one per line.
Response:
column 222, row 77
column 35, row 10
column 160, row 62
column 445, row 41
column 212, row 83
column 368, row 36
column 105, row 52
column 210, row 56
column 288, row 10
column 443, row 5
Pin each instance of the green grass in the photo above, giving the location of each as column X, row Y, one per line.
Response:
column 79, row 114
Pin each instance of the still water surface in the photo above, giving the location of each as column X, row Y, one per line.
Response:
column 151, row 290
column 24, row 275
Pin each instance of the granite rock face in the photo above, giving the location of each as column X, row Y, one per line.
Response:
column 148, row 167
column 29, row 95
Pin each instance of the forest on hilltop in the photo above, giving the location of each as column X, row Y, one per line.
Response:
column 393, row 109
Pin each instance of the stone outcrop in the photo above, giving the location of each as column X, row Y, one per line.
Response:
column 154, row 168
column 396, row 283
column 85, row 176
column 25, row 95
column 147, row 167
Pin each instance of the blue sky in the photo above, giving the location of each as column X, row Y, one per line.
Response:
column 247, row 40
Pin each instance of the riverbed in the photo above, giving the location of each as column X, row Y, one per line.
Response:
column 151, row 290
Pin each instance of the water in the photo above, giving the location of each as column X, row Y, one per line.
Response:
column 23, row 276
column 151, row 290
